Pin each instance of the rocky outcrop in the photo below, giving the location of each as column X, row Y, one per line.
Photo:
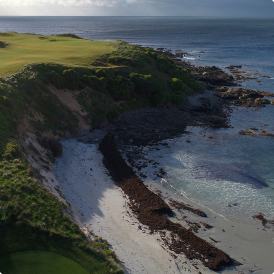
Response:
column 241, row 94
column 140, row 127
column 213, row 76
column 262, row 101
column 243, row 97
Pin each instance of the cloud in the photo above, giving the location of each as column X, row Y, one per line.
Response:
column 99, row 3
column 228, row 8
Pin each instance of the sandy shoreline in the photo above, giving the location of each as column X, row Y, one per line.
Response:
column 101, row 207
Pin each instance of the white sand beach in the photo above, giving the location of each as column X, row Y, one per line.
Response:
column 100, row 207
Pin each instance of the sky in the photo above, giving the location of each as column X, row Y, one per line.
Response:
column 223, row 8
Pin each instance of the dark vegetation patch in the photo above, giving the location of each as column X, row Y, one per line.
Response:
column 52, row 144
column 4, row 44
column 5, row 34
column 150, row 210
column 71, row 35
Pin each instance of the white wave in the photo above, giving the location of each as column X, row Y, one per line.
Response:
column 189, row 58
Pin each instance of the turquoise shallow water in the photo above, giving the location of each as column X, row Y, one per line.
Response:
column 224, row 174
column 221, row 170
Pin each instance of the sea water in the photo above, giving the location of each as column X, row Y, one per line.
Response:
column 227, row 173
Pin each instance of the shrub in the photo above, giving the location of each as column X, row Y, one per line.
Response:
column 71, row 78
column 113, row 114
column 159, row 98
column 6, row 101
column 189, row 80
column 3, row 44
column 118, row 60
column 70, row 35
column 100, row 73
column 177, row 97
column 95, row 82
column 143, row 83
column 151, row 53
column 103, row 83
column 120, row 88
column 165, row 64
column 176, row 84
column 12, row 151
column 56, row 80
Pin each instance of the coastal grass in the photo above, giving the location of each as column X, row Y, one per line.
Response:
column 23, row 49
column 33, row 262
column 32, row 218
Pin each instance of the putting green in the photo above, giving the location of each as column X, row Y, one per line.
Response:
column 23, row 49
column 38, row 262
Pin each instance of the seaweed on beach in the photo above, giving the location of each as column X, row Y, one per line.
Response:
column 263, row 220
column 152, row 211
column 182, row 206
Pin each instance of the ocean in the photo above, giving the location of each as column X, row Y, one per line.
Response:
column 229, row 174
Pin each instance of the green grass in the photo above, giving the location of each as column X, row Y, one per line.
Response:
column 33, row 262
column 32, row 218
column 90, row 255
column 28, row 48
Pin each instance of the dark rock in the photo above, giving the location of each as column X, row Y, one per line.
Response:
column 52, row 144
column 140, row 127
column 262, row 101
column 243, row 97
column 212, row 76
column 240, row 93
column 234, row 67
column 100, row 124
column 216, row 121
